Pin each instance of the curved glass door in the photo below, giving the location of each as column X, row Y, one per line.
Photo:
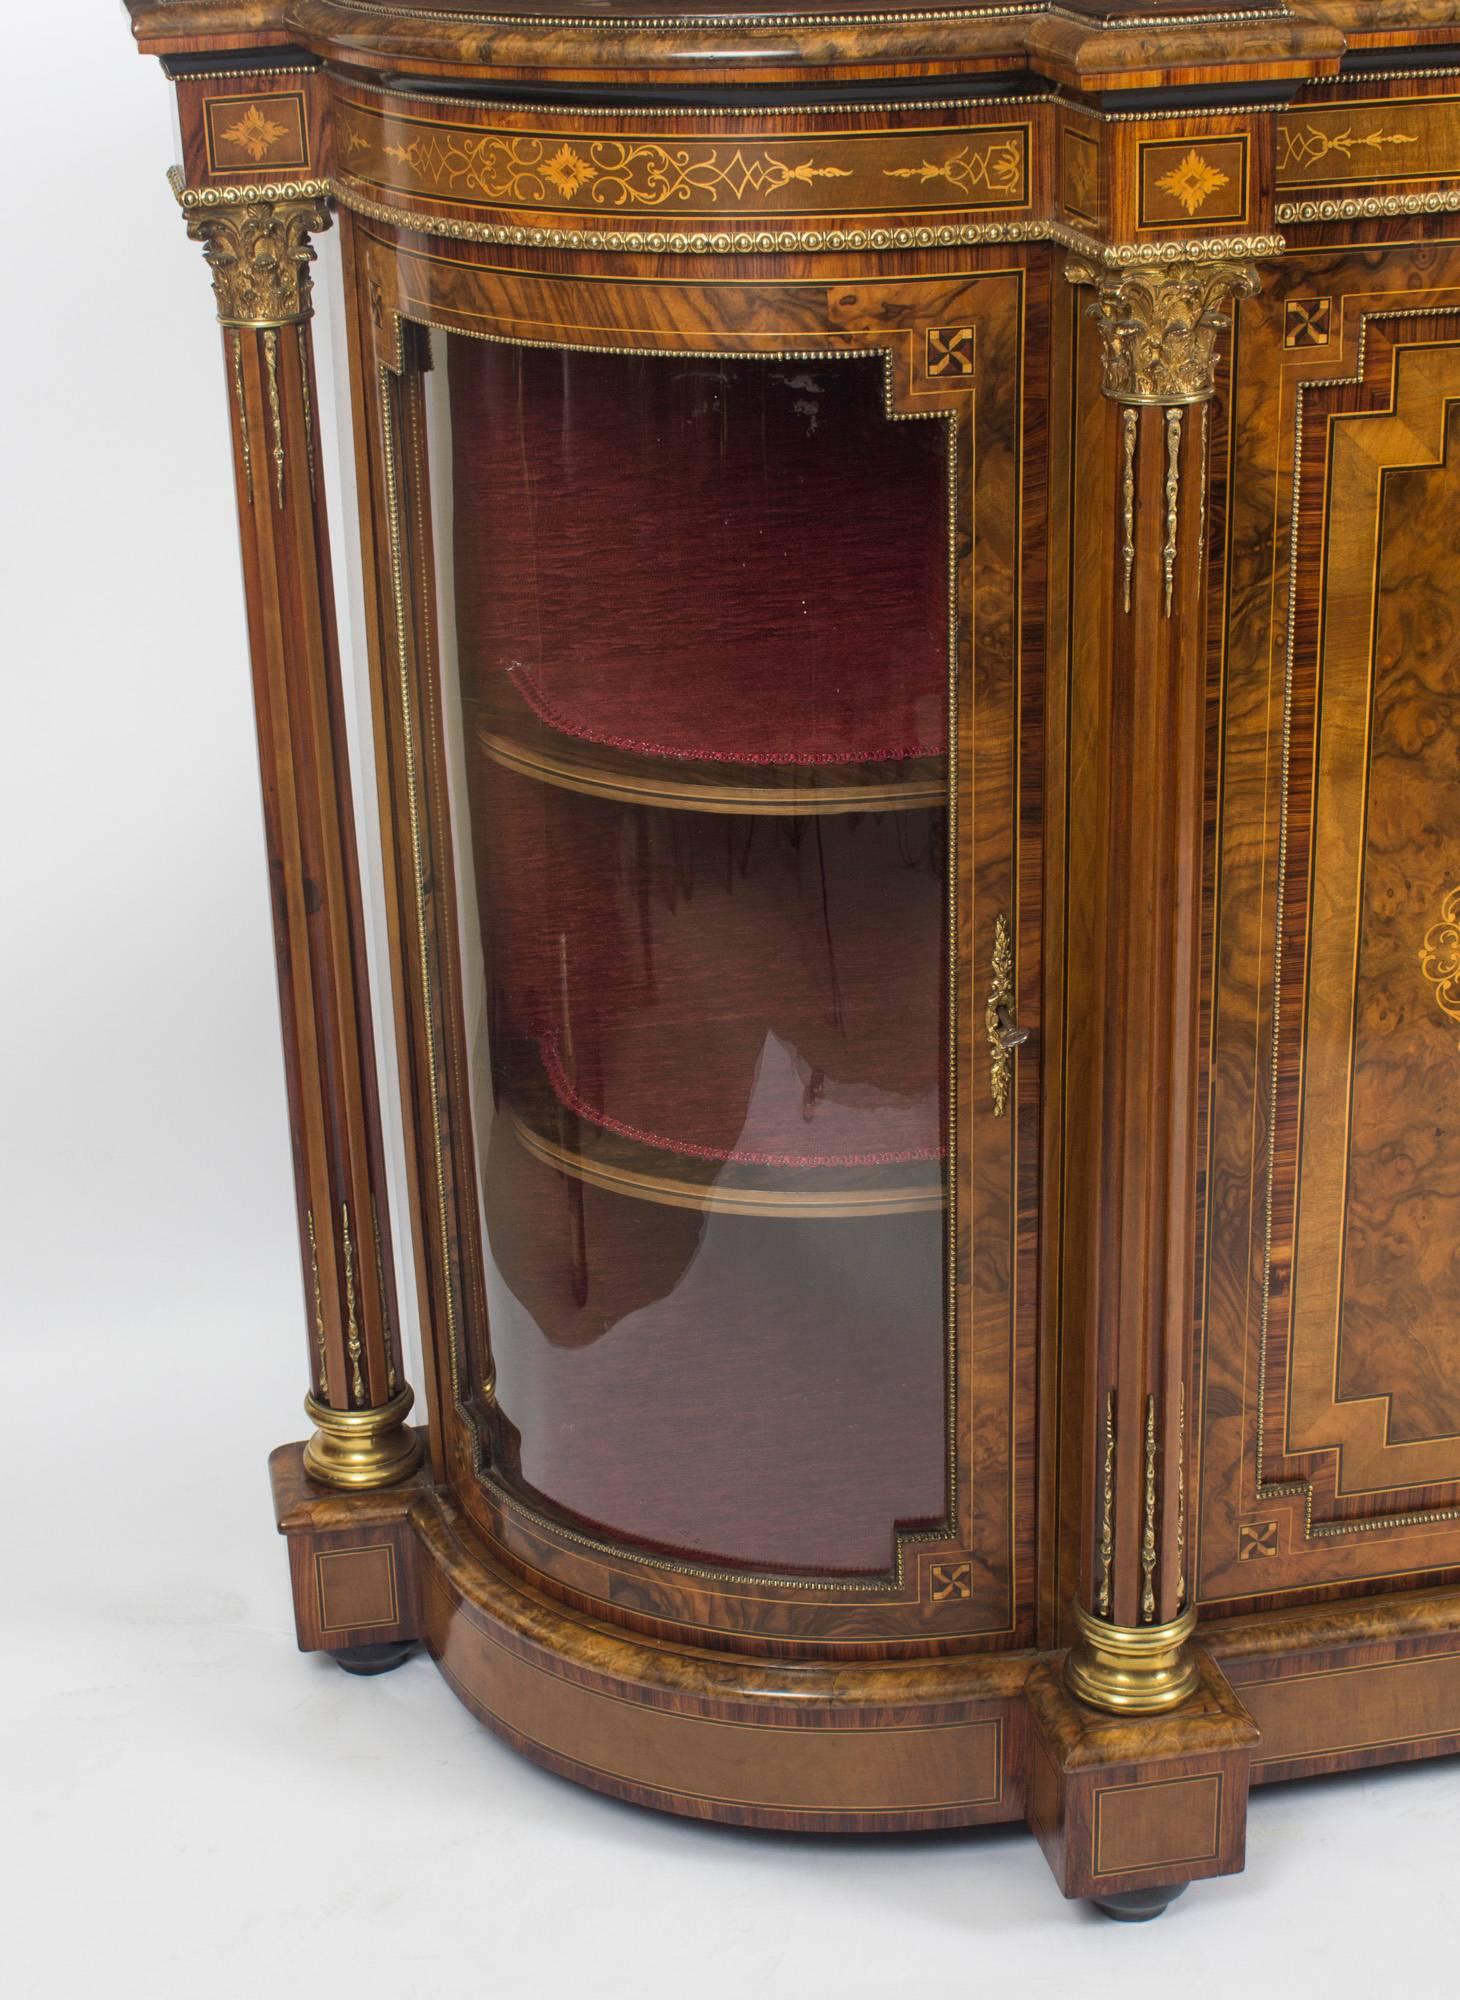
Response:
column 697, row 674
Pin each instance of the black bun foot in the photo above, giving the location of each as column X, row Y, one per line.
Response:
column 374, row 1659
column 1138, row 1906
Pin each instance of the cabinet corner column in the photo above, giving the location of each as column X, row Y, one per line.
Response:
column 258, row 248
column 1159, row 328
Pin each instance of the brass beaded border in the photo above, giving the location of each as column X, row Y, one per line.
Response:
column 989, row 102
column 919, row 18
column 743, row 243
column 1347, row 208
column 705, row 110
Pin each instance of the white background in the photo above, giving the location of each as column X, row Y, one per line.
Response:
column 187, row 1805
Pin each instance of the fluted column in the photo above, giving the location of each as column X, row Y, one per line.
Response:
column 259, row 251
column 1158, row 329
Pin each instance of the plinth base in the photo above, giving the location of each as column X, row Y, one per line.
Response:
column 1127, row 1808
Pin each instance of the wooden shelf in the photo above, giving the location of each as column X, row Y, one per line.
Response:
column 511, row 734
column 559, row 1138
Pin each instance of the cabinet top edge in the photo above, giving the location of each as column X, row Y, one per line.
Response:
column 1084, row 45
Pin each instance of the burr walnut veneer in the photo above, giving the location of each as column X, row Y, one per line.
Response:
column 910, row 571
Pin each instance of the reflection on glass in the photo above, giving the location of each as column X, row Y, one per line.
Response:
column 696, row 662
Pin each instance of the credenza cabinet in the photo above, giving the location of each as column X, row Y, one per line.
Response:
column 912, row 593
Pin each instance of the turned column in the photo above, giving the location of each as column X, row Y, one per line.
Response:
column 1158, row 329
column 259, row 252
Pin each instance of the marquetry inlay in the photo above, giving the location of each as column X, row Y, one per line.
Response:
column 641, row 173
column 1307, row 322
column 1375, row 142
column 1256, row 1539
column 1439, row 956
column 1195, row 181
column 948, row 1582
column 245, row 134
column 950, row 350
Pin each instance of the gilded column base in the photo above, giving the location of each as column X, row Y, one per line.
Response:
column 359, row 1448
column 1132, row 1669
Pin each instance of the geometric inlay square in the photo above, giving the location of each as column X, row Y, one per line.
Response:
column 1307, row 322
column 1256, row 1539
column 948, row 1581
column 356, row 1588
column 950, row 350
column 1202, row 181
column 245, row 134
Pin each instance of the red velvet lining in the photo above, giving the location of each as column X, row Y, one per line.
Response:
column 523, row 680
column 573, row 1101
column 723, row 560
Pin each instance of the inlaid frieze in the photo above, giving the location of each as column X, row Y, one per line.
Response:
column 646, row 173
column 1381, row 142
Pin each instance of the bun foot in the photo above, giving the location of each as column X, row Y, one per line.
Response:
column 374, row 1659
column 1138, row 1906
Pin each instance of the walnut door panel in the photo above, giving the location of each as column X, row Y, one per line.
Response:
column 1331, row 1408
column 803, row 1467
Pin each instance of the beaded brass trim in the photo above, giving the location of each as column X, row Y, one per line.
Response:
column 236, row 195
column 392, row 1375
column 1148, row 1534
column 1348, row 208
column 1107, row 1508
column 1130, row 425
column 435, row 99
column 1181, row 1494
column 399, row 88
column 744, row 243
column 669, row 19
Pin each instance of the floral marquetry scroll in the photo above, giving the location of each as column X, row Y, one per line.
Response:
column 1440, row 956
column 637, row 172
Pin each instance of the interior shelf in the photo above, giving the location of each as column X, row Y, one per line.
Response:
column 511, row 734
column 557, row 1136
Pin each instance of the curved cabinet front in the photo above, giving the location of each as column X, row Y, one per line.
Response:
column 709, row 841
column 913, row 696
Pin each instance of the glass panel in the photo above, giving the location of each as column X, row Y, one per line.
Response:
column 696, row 619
